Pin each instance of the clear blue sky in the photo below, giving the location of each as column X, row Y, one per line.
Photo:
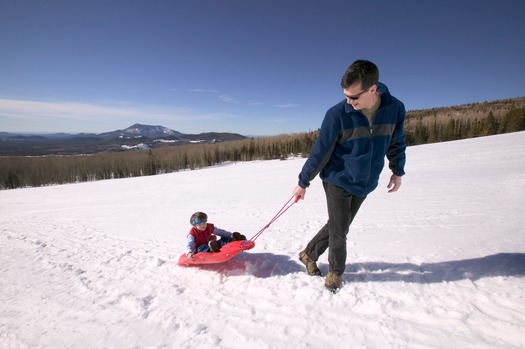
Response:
column 252, row 67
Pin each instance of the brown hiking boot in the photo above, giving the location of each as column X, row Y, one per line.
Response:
column 311, row 266
column 333, row 282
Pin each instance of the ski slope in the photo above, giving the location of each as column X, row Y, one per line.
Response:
column 439, row 264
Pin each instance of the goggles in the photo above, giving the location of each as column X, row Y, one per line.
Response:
column 198, row 220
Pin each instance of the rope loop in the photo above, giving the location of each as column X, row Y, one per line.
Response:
column 283, row 209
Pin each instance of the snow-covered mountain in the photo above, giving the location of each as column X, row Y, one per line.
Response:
column 137, row 136
column 139, row 130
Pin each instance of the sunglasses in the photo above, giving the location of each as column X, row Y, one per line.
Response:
column 356, row 97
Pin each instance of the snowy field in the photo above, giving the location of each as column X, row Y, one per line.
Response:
column 439, row 264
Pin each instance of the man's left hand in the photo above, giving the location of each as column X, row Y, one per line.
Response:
column 395, row 183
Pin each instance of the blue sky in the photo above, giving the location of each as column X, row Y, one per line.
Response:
column 245, row 66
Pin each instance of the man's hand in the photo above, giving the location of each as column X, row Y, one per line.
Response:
column 394, row 184
column 190, row 256
column 300, row 192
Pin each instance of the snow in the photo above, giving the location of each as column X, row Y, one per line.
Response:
column 439, row 264
column 140, row 146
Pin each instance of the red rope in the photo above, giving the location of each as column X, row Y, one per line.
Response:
column 279, row 214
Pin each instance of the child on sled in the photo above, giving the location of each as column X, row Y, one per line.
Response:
column 203, row 236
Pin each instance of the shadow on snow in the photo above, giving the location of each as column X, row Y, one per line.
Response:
column 261, row 265
column 501, row 264
column 265, row 265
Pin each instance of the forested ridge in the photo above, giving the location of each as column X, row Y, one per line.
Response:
column 465, row 121
column 422, row 126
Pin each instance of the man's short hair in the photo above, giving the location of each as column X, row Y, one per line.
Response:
column 361, row 71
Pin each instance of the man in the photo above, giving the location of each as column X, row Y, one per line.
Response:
column 349, row 154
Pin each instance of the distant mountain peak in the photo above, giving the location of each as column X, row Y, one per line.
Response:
column 150, row 131
column 140, row 130
column 136, row 136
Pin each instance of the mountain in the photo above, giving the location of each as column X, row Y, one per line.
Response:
column 139, row 130
column 137, row 136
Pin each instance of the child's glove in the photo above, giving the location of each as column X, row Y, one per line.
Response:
column 238, row 236
column 189, row 255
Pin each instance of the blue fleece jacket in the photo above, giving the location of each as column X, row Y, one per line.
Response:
column 350, row 153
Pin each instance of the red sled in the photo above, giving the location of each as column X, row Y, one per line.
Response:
column 226, row 253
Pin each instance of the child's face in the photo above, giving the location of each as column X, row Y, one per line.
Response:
column 201, row 226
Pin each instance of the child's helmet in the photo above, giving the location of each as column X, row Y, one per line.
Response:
column 198, row 217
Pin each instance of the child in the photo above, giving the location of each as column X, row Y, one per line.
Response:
column 203, row 236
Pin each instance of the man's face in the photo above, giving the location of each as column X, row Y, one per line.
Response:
column 359, row 97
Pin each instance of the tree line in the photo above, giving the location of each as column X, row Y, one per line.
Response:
column 465, row 121
column 424, row 126
column 457, row 128
column 18, row 172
